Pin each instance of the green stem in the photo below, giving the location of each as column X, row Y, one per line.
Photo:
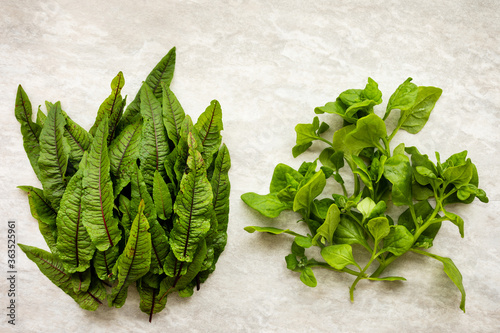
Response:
column 413, row 215
column 382, row 266
column 387, row 147
column 345, row 269
column 325, row 141
column 361, row 275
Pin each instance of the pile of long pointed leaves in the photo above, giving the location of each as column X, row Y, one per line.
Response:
column 141, row 198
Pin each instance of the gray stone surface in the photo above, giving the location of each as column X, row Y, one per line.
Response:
column 269, row 63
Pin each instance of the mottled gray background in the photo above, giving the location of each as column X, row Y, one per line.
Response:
column 269, row 63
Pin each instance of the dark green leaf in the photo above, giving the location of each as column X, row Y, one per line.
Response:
column 54, row 154
column 29, row 129
column 134, row 262
column 398, row 241
column 97, row 201
column 398, row 171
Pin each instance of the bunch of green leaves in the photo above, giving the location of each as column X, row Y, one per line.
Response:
column 141, row 198
column 382, row 177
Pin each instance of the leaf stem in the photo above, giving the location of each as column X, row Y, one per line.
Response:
column 325, row 140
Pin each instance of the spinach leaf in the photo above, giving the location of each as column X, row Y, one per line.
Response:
column 362, row 214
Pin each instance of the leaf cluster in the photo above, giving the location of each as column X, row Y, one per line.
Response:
column 142, row 198
column 382, row 177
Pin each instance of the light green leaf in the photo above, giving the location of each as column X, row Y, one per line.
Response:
column 414, row 119
column 74, row 245
column 307, row 193
column 327, row 229
column 372, row 92
column 97, row 201
column 378, row 227
column 368, row 133
column 459, row 175
column 134, row 262
column 268, row 205
column 54, row 154
column 40, row 117
column 308, row 278
column 387, row 278
column 306, row 133
column 193, row 205
column 29, row 129
column 279, row 180
column 456, row 220
column 403, row 98
column 299, row 149
column 338, row 256
column 271, row 230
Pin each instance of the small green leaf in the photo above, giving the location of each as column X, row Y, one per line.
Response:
column 456, row 220
column 327, row 229
column 348, row 232
column 306, row 133
column 397, row 170
column 308, row 278
column 268, row 205
column 29, row 129
column 271, row 230
column 414, row 119
column 302, row 241
column 299, row 149
column 403, row 98
column 379, row 227
column 398, row 241
column 338, row 256
column 387, row 278
column 309, row 191
column 279, row 180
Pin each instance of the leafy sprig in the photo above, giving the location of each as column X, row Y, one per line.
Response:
column 382, row 176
